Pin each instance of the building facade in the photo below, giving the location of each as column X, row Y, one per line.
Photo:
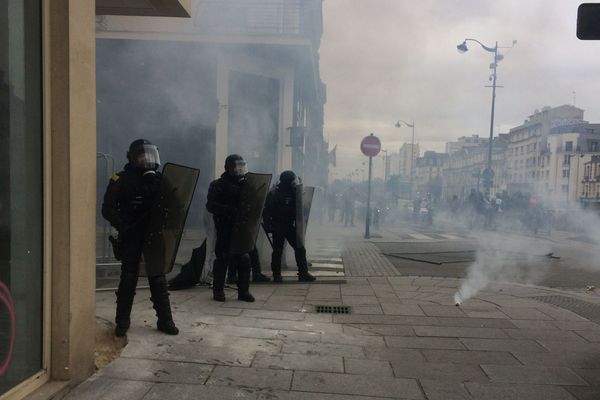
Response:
column 47, row 175
column 464, row 171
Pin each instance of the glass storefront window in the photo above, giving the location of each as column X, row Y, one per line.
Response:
column 20, row 192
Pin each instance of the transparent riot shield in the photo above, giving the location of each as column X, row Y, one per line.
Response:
column 248, row 217
column 167, row 219
column 304, row 197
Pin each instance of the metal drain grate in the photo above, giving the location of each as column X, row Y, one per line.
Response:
column 585, row 309
column 333, row 309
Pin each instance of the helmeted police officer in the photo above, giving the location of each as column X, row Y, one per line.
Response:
column 280, row 219
column 223, row 202
column 128, row 201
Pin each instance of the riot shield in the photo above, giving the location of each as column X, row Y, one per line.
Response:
column 249, row 213
column 304, row 197
column 167, row 219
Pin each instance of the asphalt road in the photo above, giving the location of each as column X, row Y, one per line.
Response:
column 513, row 257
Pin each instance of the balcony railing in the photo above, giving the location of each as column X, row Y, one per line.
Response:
column 261, row 17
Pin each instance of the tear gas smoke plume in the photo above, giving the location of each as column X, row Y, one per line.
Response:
column 515, row 254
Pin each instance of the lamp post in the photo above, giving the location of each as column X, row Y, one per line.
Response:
column 412, row 153
column 384, row 165
column 488, row 173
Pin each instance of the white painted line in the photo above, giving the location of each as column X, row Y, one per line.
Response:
column 447, row 236
column 420, row 236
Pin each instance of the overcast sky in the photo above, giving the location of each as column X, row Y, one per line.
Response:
column 387, row 59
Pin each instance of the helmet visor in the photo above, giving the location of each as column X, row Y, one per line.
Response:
column 240, row 168
column 146, row 157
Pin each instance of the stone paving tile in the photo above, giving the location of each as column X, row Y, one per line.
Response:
column 283, row 306
column 543, row 334
column 157, row 371
column 522, row 345
column 560, row 346
column 372, row 309
column 271, row 379
column 534, row 324
column 297, row 336
column 356, row 290
column 356, row 340
column 359, row 300
column 443, row 311
column 533, row 375
column 299, row 362
column 387, row 330
column 560, row 359
column 280, row 298
column 357, row 330
column 590, row 336
column 474, row 322
column 356, row 385
column 234, row 303
column 402, row 309
column 384, row 320
column 235, row 331
column 424, row 342
column 276, row 395
column 440, row 372
column 394, row 354
column 442, row 331
column 298, row 325
column 323, row 349
column 560, row 314
column 319, row 318
column 290, row 316
column 239, row 351
column 491, row 313
column 517, row 392
column 576, row 325
column 183, row 391
column 525, row 313
column 97, row 388
column 584, row 393
column 591, row 376
column 443, row 390
column 469, row 357
column 367, row 367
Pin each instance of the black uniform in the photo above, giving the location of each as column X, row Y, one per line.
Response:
column 280, row 219
column 128, row 201
column 223, row 201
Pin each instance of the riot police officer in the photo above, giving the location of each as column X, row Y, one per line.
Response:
column 223, row 201
column 128, row 201
column 280, row 219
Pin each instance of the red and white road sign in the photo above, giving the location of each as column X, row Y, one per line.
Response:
column 370, row 145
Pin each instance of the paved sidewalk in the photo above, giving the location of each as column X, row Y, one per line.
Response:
column 405, row 339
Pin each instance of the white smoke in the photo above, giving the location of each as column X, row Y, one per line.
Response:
column 507, row 259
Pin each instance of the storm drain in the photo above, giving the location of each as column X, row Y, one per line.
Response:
column 333, row 309
column 585, row 309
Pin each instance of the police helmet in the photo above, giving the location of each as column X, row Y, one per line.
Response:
column 143, row 154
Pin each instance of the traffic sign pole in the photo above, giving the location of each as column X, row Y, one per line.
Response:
column 370, row 147
column 368, row 221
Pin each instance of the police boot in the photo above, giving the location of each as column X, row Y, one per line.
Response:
column 219, row 272
column 276, row 267
column 244, row 280
column 303, row 274
column 257, row 275
column 160, row 302
column 125, row 295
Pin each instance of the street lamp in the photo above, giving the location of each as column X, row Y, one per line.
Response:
column 488, row 173
column 384, row 165
column 412, row 152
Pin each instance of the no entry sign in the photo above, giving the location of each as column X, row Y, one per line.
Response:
column 370, row 146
